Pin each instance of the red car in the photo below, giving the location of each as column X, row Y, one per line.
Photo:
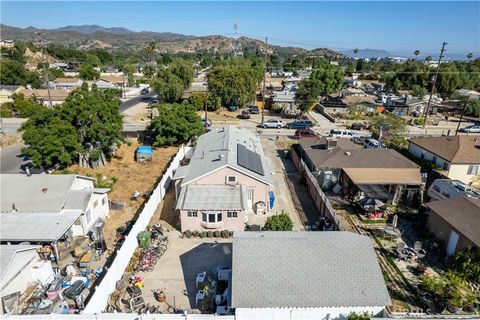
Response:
column 306, row 133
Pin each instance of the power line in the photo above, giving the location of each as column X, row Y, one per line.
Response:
column 433, row 84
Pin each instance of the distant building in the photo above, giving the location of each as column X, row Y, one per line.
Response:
column 457, row 156
column 66, row 83
column 338, row 102
column 58, row 96
column 305, row 275
column 7, row 91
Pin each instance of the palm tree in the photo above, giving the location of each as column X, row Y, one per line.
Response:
column 428, row 59
column 416, row 53
column 355, row 51
column 469, row 56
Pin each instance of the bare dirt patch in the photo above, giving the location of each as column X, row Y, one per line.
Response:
column 132, row 176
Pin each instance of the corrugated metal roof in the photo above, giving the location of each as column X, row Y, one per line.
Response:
column 198, row 197
column 305, row 269
column 7, row 253
column 41, row 227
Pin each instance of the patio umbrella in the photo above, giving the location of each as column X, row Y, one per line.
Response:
column 371, row 202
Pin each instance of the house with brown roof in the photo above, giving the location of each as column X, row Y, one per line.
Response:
column 377, row 173
column 57, row 95
column 457, row 156
column 66, row 83
column 456, row 223
column 339, row 102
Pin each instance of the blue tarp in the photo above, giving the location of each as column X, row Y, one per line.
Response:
column 145, row 150
column 271, row 196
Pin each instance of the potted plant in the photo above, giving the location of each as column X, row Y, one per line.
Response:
column 455, row 301
column 470, row 303
column 160, row 295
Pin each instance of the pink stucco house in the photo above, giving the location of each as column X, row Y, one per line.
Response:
column 226, row 180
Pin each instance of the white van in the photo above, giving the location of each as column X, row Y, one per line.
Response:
column 372, row 144
column 447, row 189
column 342, row 133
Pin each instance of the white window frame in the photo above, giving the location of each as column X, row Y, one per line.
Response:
column 231, row 176
column 232, row 214
column 473, row 169
column 217, row 214
column 192, row 213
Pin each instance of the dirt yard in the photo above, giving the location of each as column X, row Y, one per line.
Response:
column 132, row 176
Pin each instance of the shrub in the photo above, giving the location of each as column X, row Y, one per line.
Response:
column 188, row 234
column 209, row 234
column 195, row 233
column 281, row 222
column 216, row 234
column 230, row 234
column 434, row 285
column 418, row 122
column 203, row 234
column 225, row 234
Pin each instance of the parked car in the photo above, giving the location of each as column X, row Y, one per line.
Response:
column 144, row 91
column 306, row 133
column 358, row 126
column 372, row 144
column 358, row 140
column 272, row 123
column 254, row 110
column 300, row 124
column 341, row 133
column 232, row 108
column 471, row 129
column 209, row 122
column 245, row 114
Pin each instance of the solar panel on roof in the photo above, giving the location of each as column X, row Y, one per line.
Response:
column 249, row 160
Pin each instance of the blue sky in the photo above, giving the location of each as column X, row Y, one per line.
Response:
column 399, row 27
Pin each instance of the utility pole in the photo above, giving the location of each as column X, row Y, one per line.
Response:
column 264, row 80
column 205, row 122
column 433, row 84
column 461, row 116
column 45, row 69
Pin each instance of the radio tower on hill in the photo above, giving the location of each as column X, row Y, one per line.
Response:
column 236, row 46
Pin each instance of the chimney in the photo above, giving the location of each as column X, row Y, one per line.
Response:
column 332, row 143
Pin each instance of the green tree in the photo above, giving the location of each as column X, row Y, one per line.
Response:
column 325, row 79
column 469, row 56
column 280, row 222
column 235, row 84
column 355, row 51
column 473, row 108
column 419, row 91
column 176, row 124
column 50, row 139
column 416, row 53
column 170, row 90
column 88, row 72
column 22, row 107
column 449, row 79
column 388, row 125
column 14, row 73
column 183, row 70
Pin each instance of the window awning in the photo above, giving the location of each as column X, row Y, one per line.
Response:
column 384, row 176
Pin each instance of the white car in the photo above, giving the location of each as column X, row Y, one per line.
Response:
column 342, row 133
column 471, row 129
column 272, row 123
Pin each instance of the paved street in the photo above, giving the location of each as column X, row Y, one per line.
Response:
column 12, row 160
column 133, row 101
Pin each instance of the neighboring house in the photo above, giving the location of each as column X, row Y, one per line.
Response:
column 6, row 92
column 66, row 83
column 7, row 43
column 284, row 100
column 305, row 275
column 408, row 105
column 457, row 156
column 46, row 208
column 339, row 103
column 378, row 173
column 456, row 223
column 110, row 82
column 470, row 94
column 21, row 267
column 58, row 96
column 227, row 179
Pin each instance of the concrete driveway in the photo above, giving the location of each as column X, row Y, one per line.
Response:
column 177, row 269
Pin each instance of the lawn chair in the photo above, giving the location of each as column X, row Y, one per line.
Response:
column 417, row 246
column 200, row 279
column 401, row 254
column 199, row 297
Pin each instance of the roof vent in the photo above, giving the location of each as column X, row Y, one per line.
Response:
column 44, row 190
column 348, row 153
column 220, row 156
column 14, row 208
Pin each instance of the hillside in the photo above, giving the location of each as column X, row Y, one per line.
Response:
column 94, row 36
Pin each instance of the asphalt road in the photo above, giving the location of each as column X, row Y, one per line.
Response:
column 133, row 101
column 12, row 160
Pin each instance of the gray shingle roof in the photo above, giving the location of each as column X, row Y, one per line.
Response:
column 7, row 253
column 38, row 226
column 305, row 269
column 198, row 197
column 218, row 148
